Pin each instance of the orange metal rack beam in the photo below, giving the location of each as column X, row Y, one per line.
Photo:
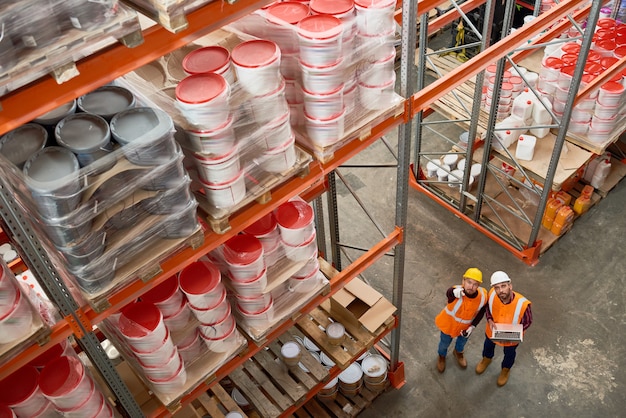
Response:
column 442, row 86
column 336, row 283
column 43, row 95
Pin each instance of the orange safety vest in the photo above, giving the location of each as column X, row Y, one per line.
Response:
column 511, row 313
column 458, row 315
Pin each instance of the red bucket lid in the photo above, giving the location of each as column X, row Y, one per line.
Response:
column 206, row 60
column 620, row 40
column 6, row 412
column 294, row 214
column 199, row 278
column 139, row 318
column 374, row 4
column 61, row 376
column 331, row 7
column 50, row 354
column 607, row 44
column 613, row 87
column 593, row 56
column 620, row 51
column 607, row 62
column 491, row 68
column 568, row 70
column 200, row 88
column 571, row 48
column 606, row 22
column 162, row 292
column 288, row 11
column 569, row 59
column 507, row 86
column 263, row 226
column 553, row 62
column 593, row 68
column 320, row 27
column 587, row 78
column 255, row 53
column 242, row 249
column 19, row 386
column 516, row 80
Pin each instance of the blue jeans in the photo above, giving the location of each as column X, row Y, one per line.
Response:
column 509, row 353
column 445, row 340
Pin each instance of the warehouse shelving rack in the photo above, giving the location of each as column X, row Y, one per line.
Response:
column 472, row 206
column 79, row 320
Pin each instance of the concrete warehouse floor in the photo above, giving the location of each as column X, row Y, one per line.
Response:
column 572, row 361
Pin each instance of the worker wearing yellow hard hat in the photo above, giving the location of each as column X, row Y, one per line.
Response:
column 464, row 310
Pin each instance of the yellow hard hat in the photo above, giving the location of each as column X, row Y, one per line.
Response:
column 474, row 274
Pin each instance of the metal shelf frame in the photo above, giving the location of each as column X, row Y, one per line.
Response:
column 506, row 53
column 44, row 95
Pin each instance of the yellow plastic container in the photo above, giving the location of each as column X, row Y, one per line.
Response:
column 582, row 204
column 552, row 208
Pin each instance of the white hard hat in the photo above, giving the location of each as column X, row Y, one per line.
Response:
column 499, row 277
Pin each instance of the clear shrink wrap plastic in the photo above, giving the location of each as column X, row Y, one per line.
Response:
column 271, row 268
column 176, row 335
column 243, row 95
column 106, row 191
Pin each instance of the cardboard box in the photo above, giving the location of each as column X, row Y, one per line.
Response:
column 359, row 304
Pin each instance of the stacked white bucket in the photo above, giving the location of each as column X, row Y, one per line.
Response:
column 596, row 115
column 16, row 312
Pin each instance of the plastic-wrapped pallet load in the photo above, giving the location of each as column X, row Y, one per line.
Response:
column 106, row 194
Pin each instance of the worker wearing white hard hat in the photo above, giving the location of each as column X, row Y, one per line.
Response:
column 464, row 310
column 507, row 308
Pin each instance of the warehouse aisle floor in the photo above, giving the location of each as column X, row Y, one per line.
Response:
column 572, row 361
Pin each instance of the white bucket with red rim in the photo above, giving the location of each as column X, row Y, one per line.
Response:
column 254, row 303
column 166, row 296
column 244, row 256
column 277, row 132
column 324, row 132
column 341, row 9
column 213, row 313
column 281, row 158
column 311, row 266
column 270, row 106
column 156, row 356
column 611, row 93
column 273, row 255
column 180, row 318
column 323, row 105
column 65, row 382
column 209, row 59
column 378, row 96
column 323, row 80
column 16, row 322
column 320, row 40
column 281, row 17
column 89, row 408
column 8, row 292
column 600, row 124
column 201, row 281
column 295, row 220
column 220, row 328
column 381, row 71
column 191, row 351
column 257, row 319
column 224, row 343
column 251, row 287
column 218, row 168
column 307, row 283
column 226, row 194
column 172, row 385
column 216, row 141
column 375, row 47
column 204, row 100
column 302, row 252
column 168, row 368
column 257, row 65
column 374, row 16
column 265, row 230
column 605, row 112
column 141, row 324
column 20, row 391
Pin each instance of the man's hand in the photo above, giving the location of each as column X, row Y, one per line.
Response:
column 466, row 333
column 458, row 292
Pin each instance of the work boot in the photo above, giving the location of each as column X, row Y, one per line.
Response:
column 482, row 366
column 504, row 376
column 460, row 359
column 441, row 363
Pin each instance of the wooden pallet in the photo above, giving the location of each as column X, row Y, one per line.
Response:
column 259, row 187
column 358, row 125
column 145, row 266
column 169, row 14
column 272, row 387
column 216, row 403
column 58, row 59
column 341, row 407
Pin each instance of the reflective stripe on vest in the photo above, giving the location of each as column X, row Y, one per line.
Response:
column 457, row 306
column 518, row 307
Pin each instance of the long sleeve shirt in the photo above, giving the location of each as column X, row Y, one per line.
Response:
column 481, row 312
column 527, row 318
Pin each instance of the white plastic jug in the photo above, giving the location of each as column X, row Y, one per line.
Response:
column 508, row 131
column 525, row 147
column 601, row 172
column 523, row 106
column 541, row 116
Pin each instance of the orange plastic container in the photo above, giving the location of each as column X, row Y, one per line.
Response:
column 552, row 208
column 547, row 222
column 582, row 204
column 587, row 191
column 564, row 197
column 563, row 220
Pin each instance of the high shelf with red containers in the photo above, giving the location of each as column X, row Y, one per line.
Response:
column 80, row 318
